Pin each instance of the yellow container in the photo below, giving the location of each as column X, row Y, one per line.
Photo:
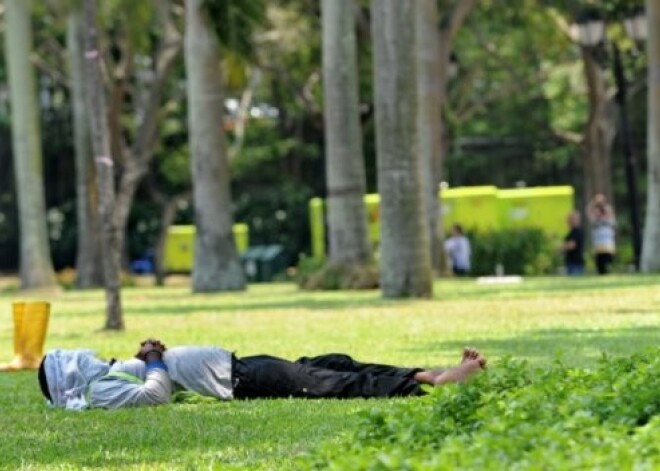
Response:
column 473, row 207
column 545, row 208
column 180, row 246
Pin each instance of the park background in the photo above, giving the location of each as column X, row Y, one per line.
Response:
column 119, row 118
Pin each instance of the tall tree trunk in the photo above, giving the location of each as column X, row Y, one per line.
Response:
column 599, row 133
column 344, row 161
column 89, row 269
column 104, row 170
column 405, row 268
column 430, row 91
column 651, row 244
column 217, row 266
column 36, row 268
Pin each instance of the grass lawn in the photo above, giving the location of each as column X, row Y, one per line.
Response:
column 536, row 320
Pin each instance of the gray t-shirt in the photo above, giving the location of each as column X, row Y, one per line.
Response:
column 203, row 370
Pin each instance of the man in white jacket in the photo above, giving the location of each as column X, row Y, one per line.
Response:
column 76, row 379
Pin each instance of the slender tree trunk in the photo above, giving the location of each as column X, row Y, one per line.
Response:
column 36, row 268
column 104, row 170
column 430, row 89
column 217, row 266
column 89, row 269
column 651, row 244
column 599, row 133
column 405, row 268
column 344, row 161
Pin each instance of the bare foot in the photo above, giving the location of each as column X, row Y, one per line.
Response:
column 460, row 373
column 471, row 356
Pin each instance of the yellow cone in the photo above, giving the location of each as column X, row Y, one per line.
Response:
column 30, row 327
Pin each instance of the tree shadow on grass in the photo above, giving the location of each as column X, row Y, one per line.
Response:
column 579, row 347
column 252, row 304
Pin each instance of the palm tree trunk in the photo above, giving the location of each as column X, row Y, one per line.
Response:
column 405, row 268
column 89, row 269
column 104, row 170
column 36, row 268
column 430, row 89
column 651, row 245
column 217, row 266
column 345, row 173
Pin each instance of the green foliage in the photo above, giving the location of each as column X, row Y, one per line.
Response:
column 516, row 417
column 235, row 21
column 519, row 251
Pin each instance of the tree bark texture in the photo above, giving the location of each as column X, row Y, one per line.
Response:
column 217, row 266
column 651, row 244
column 105, row 170
column 344, row 161
column 430, row 93
column 600, row 131
column 89, row 268
column 405, row 268
column 36, row 268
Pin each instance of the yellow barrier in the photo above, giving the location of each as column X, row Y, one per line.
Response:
column 475, row 208
column 180, row 246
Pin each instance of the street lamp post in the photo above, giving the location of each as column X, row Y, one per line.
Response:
column 589, row 31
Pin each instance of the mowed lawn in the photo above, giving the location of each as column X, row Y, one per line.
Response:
column 537, row 320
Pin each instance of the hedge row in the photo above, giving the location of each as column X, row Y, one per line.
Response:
column 517, row 418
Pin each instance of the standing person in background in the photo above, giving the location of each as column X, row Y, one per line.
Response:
column 458, row 248
column 573, row 246
column 603, row 225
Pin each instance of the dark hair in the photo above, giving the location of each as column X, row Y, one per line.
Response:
column 458, row 228
column 43, row 381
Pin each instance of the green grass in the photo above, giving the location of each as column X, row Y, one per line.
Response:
column 538, row 320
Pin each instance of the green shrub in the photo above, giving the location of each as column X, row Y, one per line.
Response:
column 515, row 417
column 519, row 251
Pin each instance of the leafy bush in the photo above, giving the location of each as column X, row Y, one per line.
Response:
column 519, row 251
column 515, row 417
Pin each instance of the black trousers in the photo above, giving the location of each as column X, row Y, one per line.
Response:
column 326, row 376
column 603, row 262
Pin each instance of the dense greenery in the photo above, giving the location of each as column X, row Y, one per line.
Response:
column 517, row 251
column 516, row 108
column 516, row 417
column 533, row 321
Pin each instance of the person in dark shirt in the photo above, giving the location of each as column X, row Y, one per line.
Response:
column 573, row 247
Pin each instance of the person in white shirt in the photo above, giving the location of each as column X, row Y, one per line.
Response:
column 458, row 249
column 77, row 379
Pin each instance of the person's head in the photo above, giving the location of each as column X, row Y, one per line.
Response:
column 457, row 230
column 65, row 375
column 600, row 198
column 574, row 219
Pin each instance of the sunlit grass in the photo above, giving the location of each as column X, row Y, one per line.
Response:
column 538, row 320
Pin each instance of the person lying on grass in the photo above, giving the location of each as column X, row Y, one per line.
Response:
column 77, row 379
